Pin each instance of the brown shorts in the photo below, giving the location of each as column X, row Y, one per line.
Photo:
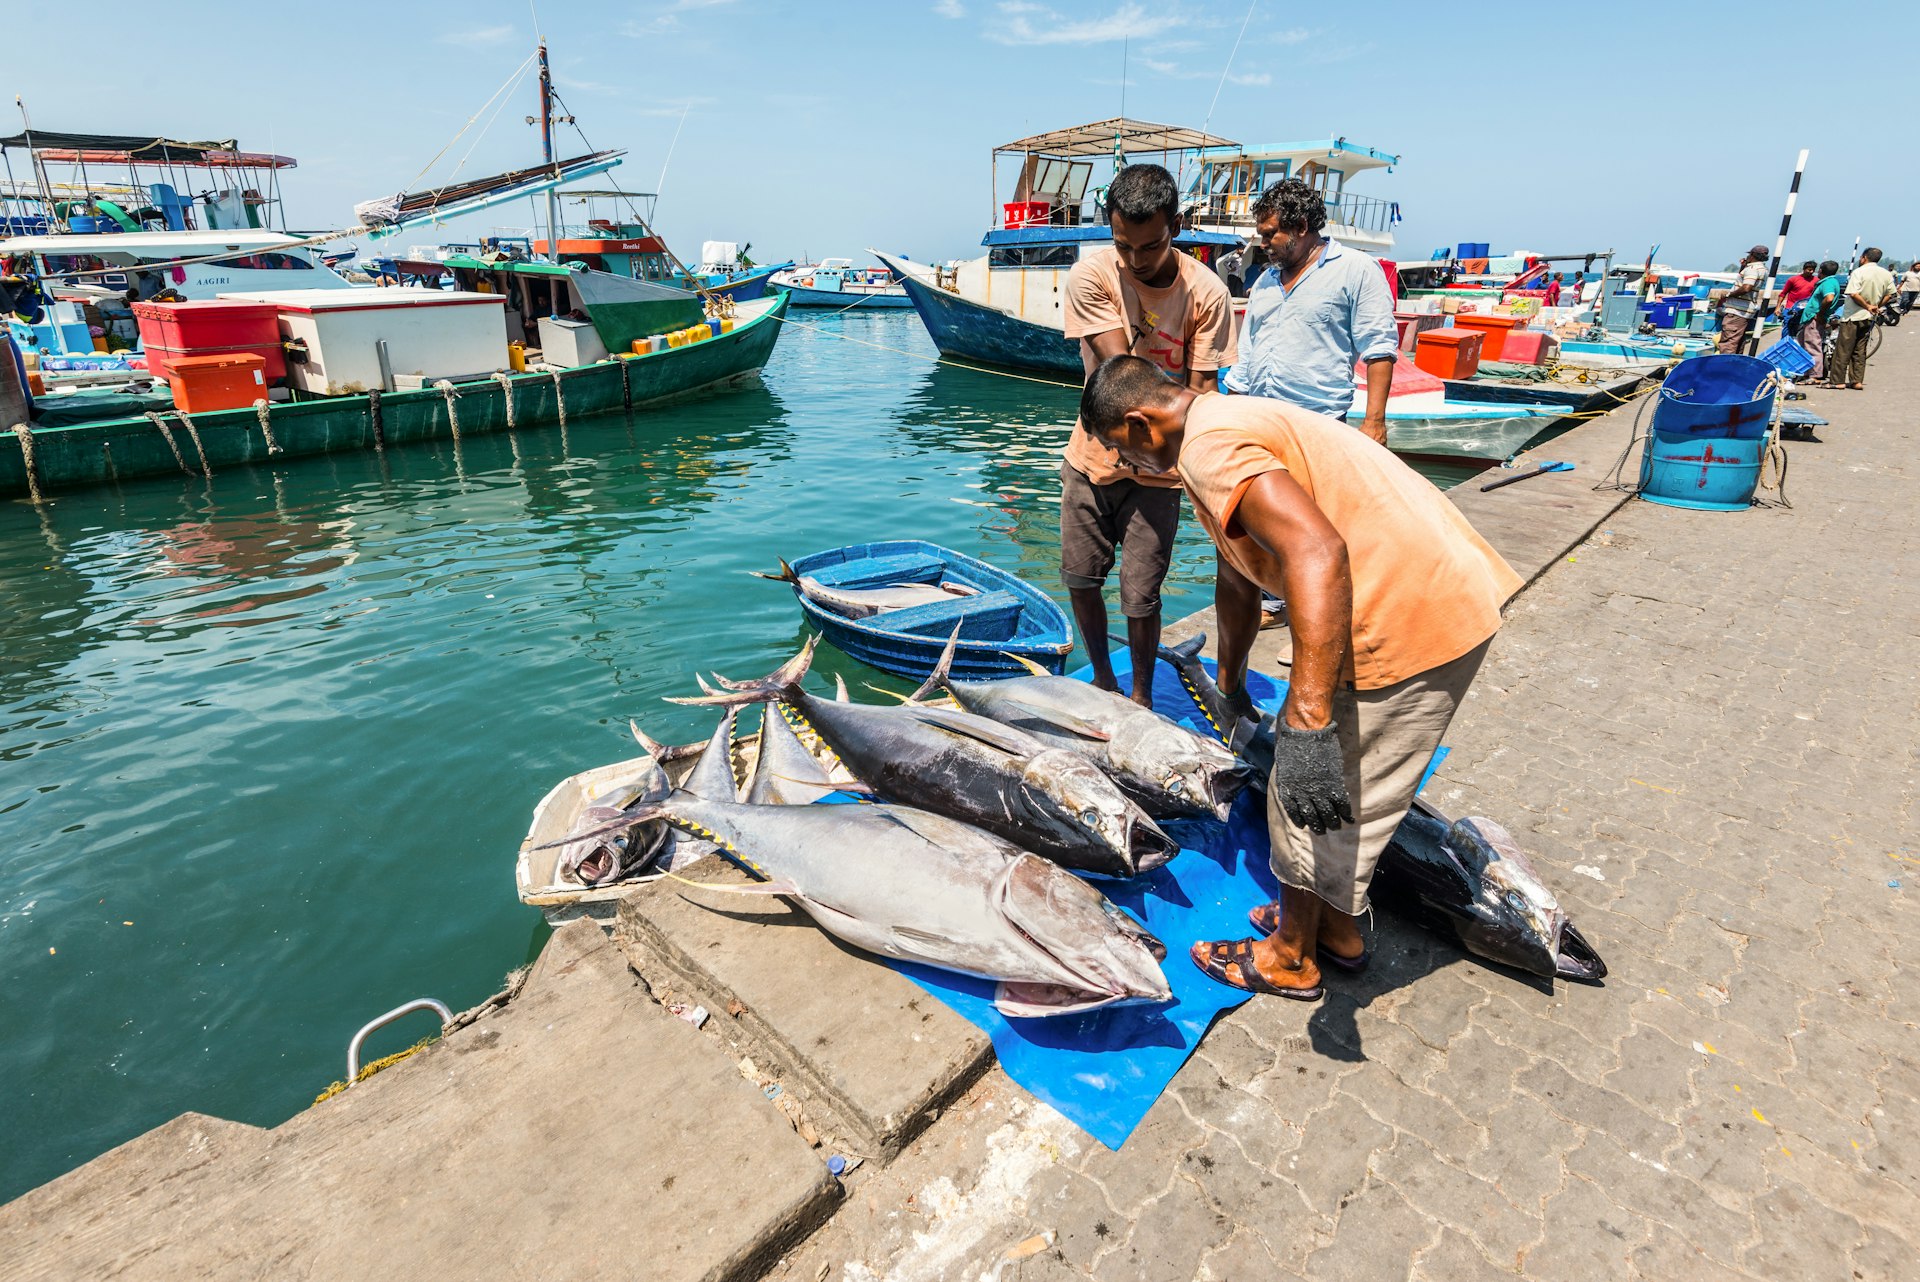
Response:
column 1140, row 520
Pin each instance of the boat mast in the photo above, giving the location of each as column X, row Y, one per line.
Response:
column 546, row 153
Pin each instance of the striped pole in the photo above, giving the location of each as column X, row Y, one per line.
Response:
column 1752, row 344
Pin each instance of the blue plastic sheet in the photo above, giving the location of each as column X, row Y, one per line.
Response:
column 1104, row 1069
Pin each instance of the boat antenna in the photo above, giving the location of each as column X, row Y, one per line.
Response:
column 39, row 166
column 661, row 186
column 1124, row 40
column 1207, row 128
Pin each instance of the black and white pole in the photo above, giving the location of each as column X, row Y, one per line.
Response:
column 1752, row 344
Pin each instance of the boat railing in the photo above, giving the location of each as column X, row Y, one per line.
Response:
column 1365, row 213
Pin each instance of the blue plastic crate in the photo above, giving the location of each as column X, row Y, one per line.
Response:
column 1789, row 357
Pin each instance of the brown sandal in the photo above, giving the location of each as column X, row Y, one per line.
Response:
column 1232, row 964
column 1266, row 920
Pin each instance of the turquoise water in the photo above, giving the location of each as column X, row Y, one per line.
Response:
column 270, row 742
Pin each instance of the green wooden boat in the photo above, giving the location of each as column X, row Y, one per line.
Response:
column 46, row 459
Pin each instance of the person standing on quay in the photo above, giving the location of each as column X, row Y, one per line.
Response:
column 1742, row 303
column 1395, row 600
column 1316, row 311
column 1909, row 286
column 1867, row 291
column 1141, row 296
column 1816, row 315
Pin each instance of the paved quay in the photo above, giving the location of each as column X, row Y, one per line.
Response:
column 1702, row 726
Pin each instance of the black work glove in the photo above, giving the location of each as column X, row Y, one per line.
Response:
column 1241, row 704
column 1309, row 779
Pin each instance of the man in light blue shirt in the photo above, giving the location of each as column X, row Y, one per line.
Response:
column 1311, row 315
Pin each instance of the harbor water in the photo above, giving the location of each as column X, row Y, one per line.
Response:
column 270, row 741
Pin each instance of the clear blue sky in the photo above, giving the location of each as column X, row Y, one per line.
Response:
column 822, row 128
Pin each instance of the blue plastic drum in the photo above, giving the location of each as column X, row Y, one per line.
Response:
column 1711, row 428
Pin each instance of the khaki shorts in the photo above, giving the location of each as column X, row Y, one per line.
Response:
column 1387, row 736
column 1140, row 520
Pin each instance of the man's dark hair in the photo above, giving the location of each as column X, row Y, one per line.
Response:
column 1138, row 192
column 1870, row 256
column 1121, row 383
column 1297, row 206
column 1829, row 267
column 1809, row 266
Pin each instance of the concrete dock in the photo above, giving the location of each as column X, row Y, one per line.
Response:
column 1702, row 727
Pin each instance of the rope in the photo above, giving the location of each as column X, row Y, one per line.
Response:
column 160, row 423
column 559, row 397
column 1613, row 479
column 1774, row 460
column 376, row 421
column 368, row 1070
column 194, row 433
column 449, row 391
column 260, row 409
column 506, row 391
column 25, row 434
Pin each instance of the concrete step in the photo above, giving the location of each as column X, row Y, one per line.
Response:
column 578, row 1131
column 874, row 1055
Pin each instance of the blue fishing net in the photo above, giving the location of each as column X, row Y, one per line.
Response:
column 1104, row 1069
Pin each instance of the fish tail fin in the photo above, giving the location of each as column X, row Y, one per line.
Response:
column 840, row 694
column 777, row 684
column 1026, row 663
column 786, row 575
column 1186, row 651
column 942, row 671
column 653, row 749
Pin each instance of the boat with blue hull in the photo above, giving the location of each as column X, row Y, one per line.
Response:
column 974, row 331
column 836, row 283
column 1001, row 617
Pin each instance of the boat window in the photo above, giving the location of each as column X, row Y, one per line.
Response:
column 1031, row 256
column 267, row 262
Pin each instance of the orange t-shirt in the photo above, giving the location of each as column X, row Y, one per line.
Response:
column 1426, row 587
column 1186, row 326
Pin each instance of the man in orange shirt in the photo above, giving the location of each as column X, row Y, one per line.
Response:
column 1145, row 297
column 1394, row 600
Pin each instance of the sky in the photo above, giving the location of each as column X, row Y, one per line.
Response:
column 821, row 129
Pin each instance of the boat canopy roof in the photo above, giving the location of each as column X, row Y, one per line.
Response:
column 158, row 245
column 1128, row 135
column 107, row 149
column 1076, row 235
column 1334, row 153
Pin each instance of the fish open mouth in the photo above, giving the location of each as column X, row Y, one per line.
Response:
column 1576, row 958
column 1227, row 784
column 1148, row 847
column 596, row 867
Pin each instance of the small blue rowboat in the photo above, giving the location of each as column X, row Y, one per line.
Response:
column 1002, row 618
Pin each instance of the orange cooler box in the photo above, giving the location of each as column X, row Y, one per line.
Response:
column 219, row 381
column 210, row 327
column 1494, row 329
column 1449, row 353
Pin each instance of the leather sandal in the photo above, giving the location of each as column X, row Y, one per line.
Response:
column 1266, row 920
column 1232, row 964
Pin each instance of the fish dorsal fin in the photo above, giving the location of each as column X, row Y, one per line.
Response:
column 942, row 671
column 1015, row 742
column 840, row 694
column 1026, row 663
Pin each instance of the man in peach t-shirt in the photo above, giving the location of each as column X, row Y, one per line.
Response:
column 1145, row 297
column 1394, row 599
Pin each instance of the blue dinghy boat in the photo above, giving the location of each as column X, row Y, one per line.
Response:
column 999, row 616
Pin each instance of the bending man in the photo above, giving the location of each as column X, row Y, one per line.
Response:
column 1394, row 601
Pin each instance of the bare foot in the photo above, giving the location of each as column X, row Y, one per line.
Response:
column 1106, row 683
column 1143, row 696
column 1283, row 969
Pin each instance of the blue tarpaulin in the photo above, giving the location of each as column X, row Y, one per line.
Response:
column 1104, row 1069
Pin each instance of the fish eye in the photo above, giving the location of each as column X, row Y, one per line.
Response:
column 1091, row 818
column 1177, row 786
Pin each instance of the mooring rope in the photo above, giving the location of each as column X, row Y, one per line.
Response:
column 165, row 431
column 25, row 434
column 448, row 390
column 376, row 422
column 261, row 408
column 506, row 391
column 194, row 433
column 559, row 397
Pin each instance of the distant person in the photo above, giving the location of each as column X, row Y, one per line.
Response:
column 1140, row 296
column 1816, row 317
column 1742, row 302
column 1867, row 291
column 1316, row 311
column 1796, row 291
column 1909, row 286
column 1553, row 291
column 1396, row 600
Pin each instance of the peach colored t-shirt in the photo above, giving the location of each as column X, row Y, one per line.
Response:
column 1426, row 587
column 1186, row 326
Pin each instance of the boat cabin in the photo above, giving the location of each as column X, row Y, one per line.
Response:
column 1227, row 179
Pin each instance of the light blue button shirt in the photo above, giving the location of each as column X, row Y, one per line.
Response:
column 1300, row 346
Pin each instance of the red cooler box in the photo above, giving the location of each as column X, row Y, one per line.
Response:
column 216, row 381
column 210, row 327
column 1449, row 353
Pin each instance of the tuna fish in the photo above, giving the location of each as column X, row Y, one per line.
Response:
column 1047, row 800
column 923, row 888
column 862, row 603
column 1171, row 771
column 1467, row 878
column 624, row 852
column 786, row 774
column 711, row 779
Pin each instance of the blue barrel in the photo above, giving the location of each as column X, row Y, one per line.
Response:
column 1710, row 430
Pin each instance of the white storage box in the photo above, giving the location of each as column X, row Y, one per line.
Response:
column 719, row 255
column 569, row 343
column 432, row 333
